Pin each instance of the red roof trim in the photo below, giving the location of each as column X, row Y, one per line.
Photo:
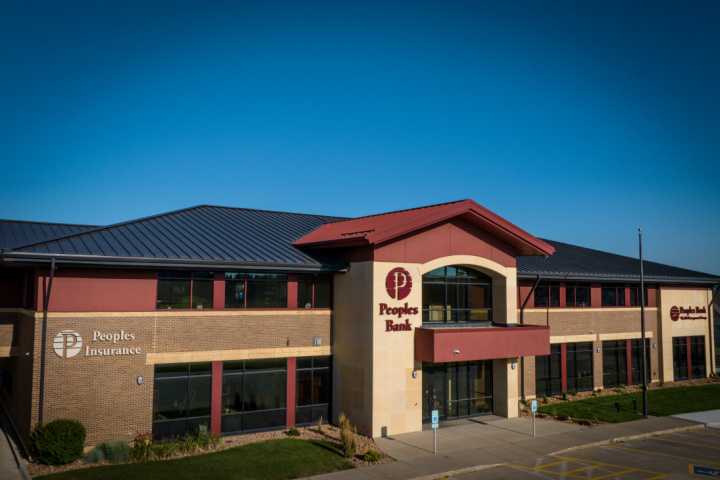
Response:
column 332, row 234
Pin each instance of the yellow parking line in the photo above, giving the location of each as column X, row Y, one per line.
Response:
column 684, row 443
column 704, row 433
column 551, row 464
column 617, row 473
column 660, row 474
column 586, row 468
column 661, row 454
column 538, row 469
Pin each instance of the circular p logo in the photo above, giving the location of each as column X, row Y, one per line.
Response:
column 398, row 283
column 674, row 314
column 67, row 344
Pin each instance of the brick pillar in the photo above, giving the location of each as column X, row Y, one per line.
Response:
column 216, row 398
column 563, row 366
column 290, row 402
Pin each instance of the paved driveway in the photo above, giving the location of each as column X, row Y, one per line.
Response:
column 690, row 455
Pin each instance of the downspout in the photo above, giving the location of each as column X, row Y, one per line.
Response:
column 44, row 341
column 522, row 318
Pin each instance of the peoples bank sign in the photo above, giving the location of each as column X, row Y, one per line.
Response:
column 398, row 284
column 69, row 343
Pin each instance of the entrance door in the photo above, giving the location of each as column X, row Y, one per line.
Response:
column 457, row 390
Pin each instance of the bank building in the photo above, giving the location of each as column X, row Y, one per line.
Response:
column 245, row 320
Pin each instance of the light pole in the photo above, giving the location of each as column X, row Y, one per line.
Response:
column 642, row 327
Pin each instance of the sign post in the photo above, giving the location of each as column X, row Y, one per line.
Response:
column 435, row 426
column 534, row 409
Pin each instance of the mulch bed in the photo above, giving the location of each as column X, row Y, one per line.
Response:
column 364, row 444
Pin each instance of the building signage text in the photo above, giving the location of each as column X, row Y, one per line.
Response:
column 690, row 313
column 68, row 343
column 398, row 284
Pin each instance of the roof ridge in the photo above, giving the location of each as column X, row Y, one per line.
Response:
column 34, row 222
column 273, row 211
column 400, row 211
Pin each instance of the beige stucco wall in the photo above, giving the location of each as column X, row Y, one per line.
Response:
column 685, row 298
column 373, row 381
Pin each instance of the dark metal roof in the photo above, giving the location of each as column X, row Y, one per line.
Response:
column 14, row 233
column 573, row 262
column 203, row 236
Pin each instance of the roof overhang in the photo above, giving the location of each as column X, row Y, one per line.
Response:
column 438, row 345
column 387, row 227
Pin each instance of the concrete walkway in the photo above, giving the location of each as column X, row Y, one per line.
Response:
column 12, row 460
column 475, row 444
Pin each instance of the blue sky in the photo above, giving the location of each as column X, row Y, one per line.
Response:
column 578, row 121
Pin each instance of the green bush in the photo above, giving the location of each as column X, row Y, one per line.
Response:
column 117, row 451
column 95, row 455
column 293, row 432
column 372, row 456
column 58, row 442
column 544, row 399
column 564, row 395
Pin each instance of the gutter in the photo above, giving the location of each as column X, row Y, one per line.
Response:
column 46, row 300
column 619, row 278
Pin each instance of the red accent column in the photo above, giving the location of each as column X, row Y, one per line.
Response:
column 595, row 295
column 563, row 366
column 292, row 291
column 562, row 295
column 689, row 359
column 291, row 372
column 219, row 291
column 628, row 359
column 216, row 397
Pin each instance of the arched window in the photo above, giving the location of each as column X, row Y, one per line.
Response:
column 456, row 294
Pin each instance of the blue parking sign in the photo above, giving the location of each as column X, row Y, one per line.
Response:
column 534, row 406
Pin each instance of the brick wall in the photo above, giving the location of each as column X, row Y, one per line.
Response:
column 9, row 328
column 102, row 391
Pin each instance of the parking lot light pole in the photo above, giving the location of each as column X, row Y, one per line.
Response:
column 643, row 367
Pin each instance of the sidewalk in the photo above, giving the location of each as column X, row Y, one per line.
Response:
column 475, row 444
column 12, row 459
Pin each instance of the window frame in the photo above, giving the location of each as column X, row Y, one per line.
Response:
column 189, row 275
column 245, row 281
column 316, row 279
column 449, row 314
column 553, row 288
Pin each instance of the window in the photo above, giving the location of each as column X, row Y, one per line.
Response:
column 179, row 289
column 697, row 357
column 313, row 389
column 255, row 290
column 547, row 294
column 680, row 360
column 635, row 295
column 181, row 398
column 548, row 379
column 579, row 366
column 253, row 394
column 577, row 294
column 456, row 294
column 636, row 356
column 614, row 363
column 314, row 291
column 613, row 295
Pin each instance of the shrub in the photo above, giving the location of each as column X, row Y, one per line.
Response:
column 293, row 432
column 573, row 393
column 347, row 436
column 58, row 442
column 544, row 399
column 319, row 425
column 523, row 400
column 95, row 455
column 372, row 456
column 142, row 447
column 564, row 395
column 117, row 451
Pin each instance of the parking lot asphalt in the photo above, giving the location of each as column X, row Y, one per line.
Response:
column 688, row 455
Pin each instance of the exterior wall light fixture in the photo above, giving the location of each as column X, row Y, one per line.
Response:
column 513, row 365
column 456, row 352
column 140, row 380
column 598, row 349
column 414, row 373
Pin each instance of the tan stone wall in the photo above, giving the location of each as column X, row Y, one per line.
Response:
column 686, row 298
column 102, row 391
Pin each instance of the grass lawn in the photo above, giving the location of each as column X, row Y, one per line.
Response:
column 661, row 402
column 274, row 460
